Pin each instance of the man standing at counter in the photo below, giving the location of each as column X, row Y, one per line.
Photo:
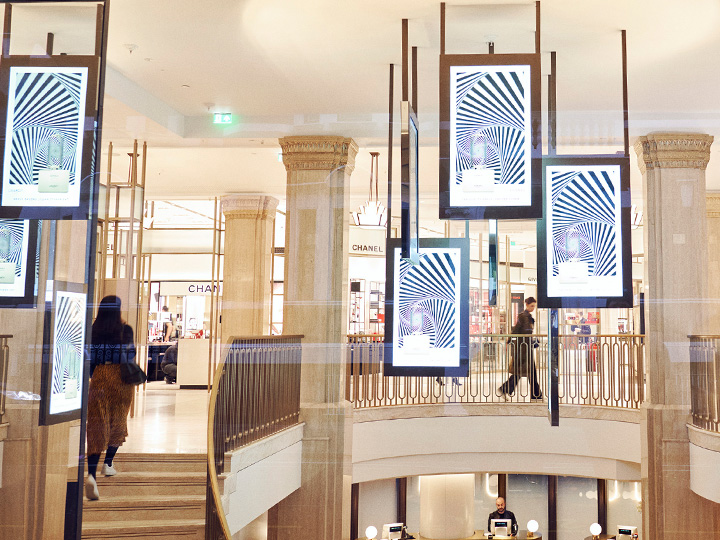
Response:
column 502, row 513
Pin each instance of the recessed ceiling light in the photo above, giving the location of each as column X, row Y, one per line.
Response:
column 185, row 86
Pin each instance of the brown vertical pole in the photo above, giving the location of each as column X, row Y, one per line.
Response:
column 354, row 510
column 602, row 503
column 414, row 80
column 405, row 60
column 552, row 507
column 49, row 43
column 537, row 27
column 7, row 29
column 502, row 486
column 626, row 130
column 442, row 28
column 552, row 107
column 99, row 24
column 390, row 151
column 401, row 492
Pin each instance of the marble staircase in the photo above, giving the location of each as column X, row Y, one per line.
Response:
column 155, row 496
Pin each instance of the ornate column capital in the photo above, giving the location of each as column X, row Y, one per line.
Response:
column 712, row 204
column 325, row 153
column 673, row 151
column 249, row 206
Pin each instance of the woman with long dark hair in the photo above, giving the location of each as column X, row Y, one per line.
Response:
column 109, row 397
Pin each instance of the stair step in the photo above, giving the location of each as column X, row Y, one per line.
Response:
column 160, row 462
column 157, row 529
column 133, row 484
column 132, row 509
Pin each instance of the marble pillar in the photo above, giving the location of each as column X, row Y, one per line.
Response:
column 712, row 203
column 676, row 257
column 247, row 271
column 316, row 266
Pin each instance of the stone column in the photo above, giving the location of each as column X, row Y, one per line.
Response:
column 676, row 256
column 316, row 266
column 713, row 225
column 247, row 271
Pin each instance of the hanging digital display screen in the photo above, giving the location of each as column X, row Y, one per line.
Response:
column 410, row 209
column 584, row 245
column 49, row 125
column 18, row 262
column 490, row 148
column 426, row 309
column 64, row 359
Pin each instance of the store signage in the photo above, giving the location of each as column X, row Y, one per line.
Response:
column 188, row 288
column 584, row 256
column 367, row 241
column 426, row 309
column 490, row 153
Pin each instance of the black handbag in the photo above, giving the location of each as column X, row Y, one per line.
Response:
column 131, row 373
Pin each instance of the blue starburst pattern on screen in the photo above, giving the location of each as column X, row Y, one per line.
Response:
column 69, row 342
column 490, row 124
column 427, row 299
column 584, row 226
column 47, row 106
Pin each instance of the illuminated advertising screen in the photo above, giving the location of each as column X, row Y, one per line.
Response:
column 64, row 358
column 48, row 148
column 584, row 245
column 490, row 160
column 409, row 188
column 426, row 309
column 18, row 262
column 67, row 354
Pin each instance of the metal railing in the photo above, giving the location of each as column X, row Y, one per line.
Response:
column 4, row 356
column 256, row 393
column 705, row 382
column 603, row 370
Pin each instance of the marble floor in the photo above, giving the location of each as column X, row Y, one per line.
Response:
column 165, row 419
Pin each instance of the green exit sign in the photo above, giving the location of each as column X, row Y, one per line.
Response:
column 222, row 118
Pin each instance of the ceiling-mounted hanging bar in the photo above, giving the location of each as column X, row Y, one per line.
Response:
column 626, row 128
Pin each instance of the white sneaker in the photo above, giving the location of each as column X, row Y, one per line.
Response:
column 108, row 470
column 91, row 489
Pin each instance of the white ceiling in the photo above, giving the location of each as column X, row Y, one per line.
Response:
column 321, row 67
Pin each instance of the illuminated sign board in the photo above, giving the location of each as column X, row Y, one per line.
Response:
column 426, row 309
column 48, row 151
column 490, row 147
column 584, row 246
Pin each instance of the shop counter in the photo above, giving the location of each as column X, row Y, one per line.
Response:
column 192, row 363
column 156, row 351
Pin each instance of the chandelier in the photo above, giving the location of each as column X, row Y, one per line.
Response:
column 372, row 214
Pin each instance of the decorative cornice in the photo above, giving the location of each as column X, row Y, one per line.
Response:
column 318, row 153
column 712, row 204
column 249, row 206
column 673, row 151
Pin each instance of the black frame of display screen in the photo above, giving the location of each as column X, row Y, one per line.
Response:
column 575, row 302
column 46, row 418
column 28, row 300
column 410, row 203
column 462, row 370
column 82, row 211
column 532, row 211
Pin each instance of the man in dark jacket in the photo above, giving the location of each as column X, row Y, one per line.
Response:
column 502, row 513
column 169, row 363
column 523, row 362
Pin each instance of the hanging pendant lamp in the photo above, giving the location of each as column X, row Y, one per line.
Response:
column 372, row 214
